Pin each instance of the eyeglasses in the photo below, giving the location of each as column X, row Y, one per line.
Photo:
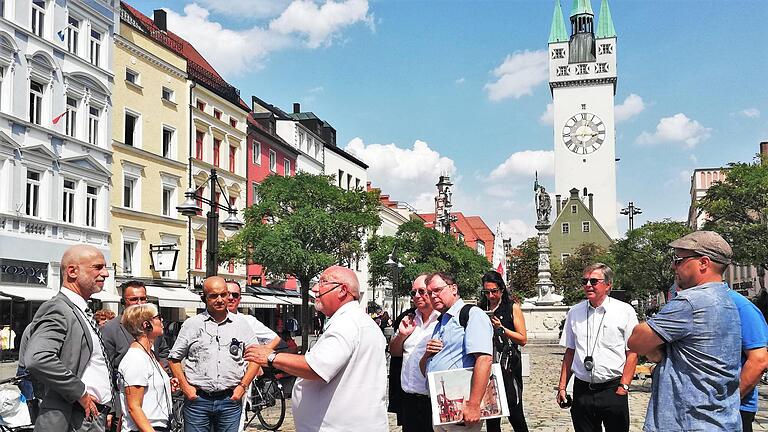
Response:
column 214, row 296
column 235, row 295
column 335, row 285
column 590, row 281
column 677, row 260
column 137, row 299
column 420, row 291
column 157, row 317
column 490, row 291
column 438, row 290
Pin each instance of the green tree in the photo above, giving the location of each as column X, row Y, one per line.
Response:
column 737, row 208
column 421, row 250
column 642, row 260
column 300, row 226
column 524, row 269
column 568, row 278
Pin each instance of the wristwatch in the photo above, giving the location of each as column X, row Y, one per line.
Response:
column 271, row 358
column 624, row 386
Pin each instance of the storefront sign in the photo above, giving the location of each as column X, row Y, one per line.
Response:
column 23, row 272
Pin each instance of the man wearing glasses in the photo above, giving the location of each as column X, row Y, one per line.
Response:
column 410, row 342
column 696, row 340
column 595, row 338
column 117, row 339
column 214, row 375
column 342, row 380
column 455, row 347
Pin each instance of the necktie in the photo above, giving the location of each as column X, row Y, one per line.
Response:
column 95, row 327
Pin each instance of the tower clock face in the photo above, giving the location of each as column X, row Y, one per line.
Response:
column 584, row 133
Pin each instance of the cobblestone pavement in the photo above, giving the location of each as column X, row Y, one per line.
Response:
column 543, row 414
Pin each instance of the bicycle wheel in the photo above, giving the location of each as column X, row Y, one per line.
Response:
column 271, row 411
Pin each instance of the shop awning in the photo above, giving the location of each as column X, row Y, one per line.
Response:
column 175, row 297
column 106, row 297
column 247, row 301
column 296, row 300
column 271, row 301
column 7, row 292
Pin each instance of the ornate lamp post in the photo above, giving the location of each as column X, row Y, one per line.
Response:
column 631, row 211
column 190, row 208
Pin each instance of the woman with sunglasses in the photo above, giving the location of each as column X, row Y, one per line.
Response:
column 509, row 334
column 145, row 389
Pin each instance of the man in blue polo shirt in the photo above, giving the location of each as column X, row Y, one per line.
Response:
column 454, row 347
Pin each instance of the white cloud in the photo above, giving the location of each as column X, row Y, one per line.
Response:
column 518, row 75
column 547, row 118
column 752, row 113
column 246, row 8
column 407, row 174
column 679, row 129
column 632, row 106
column 459, row 80
column 526, row 163
column 516, row 230
column 318, row 89
column 320, row 23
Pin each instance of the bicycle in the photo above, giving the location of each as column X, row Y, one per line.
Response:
column 266, row 401
column 177, row 412
column 20, row 422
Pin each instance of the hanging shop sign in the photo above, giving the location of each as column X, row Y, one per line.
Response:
column 23, row 272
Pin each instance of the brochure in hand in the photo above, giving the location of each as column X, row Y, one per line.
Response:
column 449, row 390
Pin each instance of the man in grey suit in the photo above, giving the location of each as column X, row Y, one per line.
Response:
column 65, row 352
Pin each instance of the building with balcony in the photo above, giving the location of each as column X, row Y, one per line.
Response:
column 55, row 153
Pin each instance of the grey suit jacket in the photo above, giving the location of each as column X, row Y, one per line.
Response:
column 56, row 354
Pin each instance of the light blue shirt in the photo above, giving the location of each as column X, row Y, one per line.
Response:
column 459, row 344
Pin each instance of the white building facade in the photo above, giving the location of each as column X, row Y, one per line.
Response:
column 55, row 130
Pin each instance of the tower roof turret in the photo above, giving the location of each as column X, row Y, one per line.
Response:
column 581, row 7
column 605, row 27
column 558, row 33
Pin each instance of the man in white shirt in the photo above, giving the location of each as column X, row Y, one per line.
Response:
column 343, row 379
column 65, row 351
column 410, row 342
column 595, row 336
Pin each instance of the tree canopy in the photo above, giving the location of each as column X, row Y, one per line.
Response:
column 737, row 208
column 421, row 250
column 524, row 269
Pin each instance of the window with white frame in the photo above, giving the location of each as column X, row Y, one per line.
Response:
column 93, row 125
column 256, row 152
column 2, row 79
column 130, row 184
column 68, row 202
column 131, row 129
column 33, row 194
column 95, row 48
column 481, row 247
column 301, row 140
column 341, row 177
column 167, row 94
column 310, row 144
column 129, row 257
column 255, row 189
column 71, row 121
column 168, row 141
column 38, row 17
column 566, row 228
column 574, row 209
column 168, row 193
column 132, row 76
column 563, row 256
column 2, row 8
column 272, row 161
column 73, row 34
column 585, row 226
column 286, row 167
column 91, row 201
column 35, row 102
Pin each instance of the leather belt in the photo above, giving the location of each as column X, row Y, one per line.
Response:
column 610, row 384
column 218, row 394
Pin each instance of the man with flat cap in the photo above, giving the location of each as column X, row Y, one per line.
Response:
column 696, row 340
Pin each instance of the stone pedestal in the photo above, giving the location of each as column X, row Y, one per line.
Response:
column 543, row 322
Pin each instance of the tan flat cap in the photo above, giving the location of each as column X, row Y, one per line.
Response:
column 706, row 243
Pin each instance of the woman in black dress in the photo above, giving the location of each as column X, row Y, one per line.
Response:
column 508, row 335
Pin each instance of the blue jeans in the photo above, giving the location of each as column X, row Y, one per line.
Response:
column 204, row 414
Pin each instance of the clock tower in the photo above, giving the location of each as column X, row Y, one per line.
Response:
column 582, row 77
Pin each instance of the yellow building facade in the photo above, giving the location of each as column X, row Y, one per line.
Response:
column 150, row 169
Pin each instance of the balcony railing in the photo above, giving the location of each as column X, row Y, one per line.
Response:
column 213, row 82
column 42, row 229
column 151, row 30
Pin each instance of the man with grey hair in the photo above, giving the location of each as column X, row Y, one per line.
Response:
column 343, row 380
column 696, row 340
column 595, row 338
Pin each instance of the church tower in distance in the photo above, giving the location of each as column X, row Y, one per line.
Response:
column 582, row 77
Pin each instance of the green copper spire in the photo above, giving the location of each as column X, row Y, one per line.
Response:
column 582, row 7
column 557, row 33
column 605, row 25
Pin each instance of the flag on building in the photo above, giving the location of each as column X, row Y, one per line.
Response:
column 58, row 117
column 499, row 257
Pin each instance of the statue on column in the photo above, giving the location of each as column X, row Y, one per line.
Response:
column 543, row 203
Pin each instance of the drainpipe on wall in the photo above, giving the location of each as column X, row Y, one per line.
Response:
column 190, row 249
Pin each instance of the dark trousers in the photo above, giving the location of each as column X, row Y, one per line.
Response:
column 746, row 420
column 416, row 413
column 516, row 416
column 599, row 405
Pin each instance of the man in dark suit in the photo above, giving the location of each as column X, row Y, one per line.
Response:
column 117, row 339
column 65, row 352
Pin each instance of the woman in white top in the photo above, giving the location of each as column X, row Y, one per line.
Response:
column 145, row 390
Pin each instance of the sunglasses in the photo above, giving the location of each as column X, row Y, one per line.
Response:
column 490, row 291
column 235, row 295
column 677, row 260
column 420, row 291
column 590, row 281
column 136, row 299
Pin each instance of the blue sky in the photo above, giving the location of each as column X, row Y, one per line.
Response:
column 416, row 88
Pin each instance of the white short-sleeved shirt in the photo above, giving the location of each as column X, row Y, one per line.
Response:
column 349, row 357
column 138, row 369
column 411, row 378
column 607, row 343
column 263, row 333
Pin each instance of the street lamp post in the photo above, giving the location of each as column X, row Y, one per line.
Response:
column 190, row 208
column 631, row 211
column 443, row 205
column 396, row 267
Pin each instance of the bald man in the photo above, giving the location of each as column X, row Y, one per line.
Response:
column 65, row 352
column 343, row 379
